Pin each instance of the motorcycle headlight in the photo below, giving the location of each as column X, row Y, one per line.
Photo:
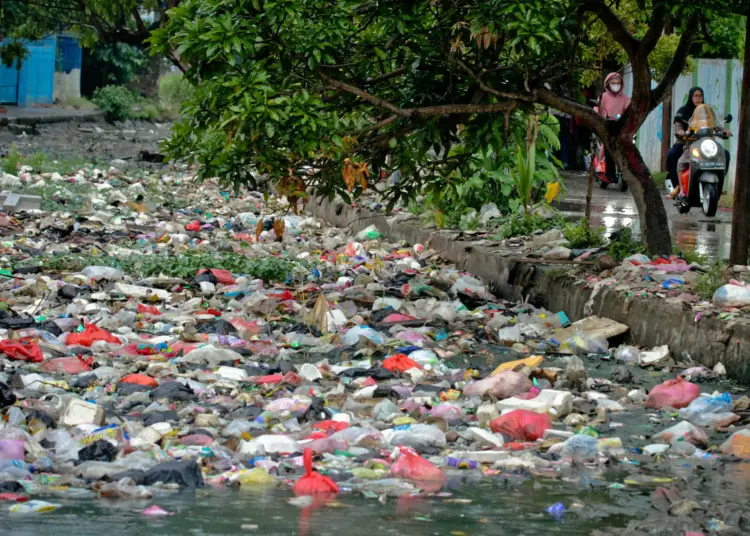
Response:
column 709, row 148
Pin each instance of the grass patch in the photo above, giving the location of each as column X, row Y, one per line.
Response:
column 522, row 225
column 623, row 245
column 690, row 255
column 270, row 269
column 581, row 235
column 660, row 178
column 711, row 281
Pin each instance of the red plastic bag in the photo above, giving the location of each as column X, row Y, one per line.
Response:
column 330, row 425
column 313, row 483
column 148, row 309
column 139, row 379
column 412, row 466
column 193, row 226
column 71, row 365
column 400, row 362
column 522, row 424
column 23, row 349
column 89, row 335
column 222, row 276
column 673, row 393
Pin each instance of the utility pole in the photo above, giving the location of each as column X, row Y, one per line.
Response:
column 741, row 215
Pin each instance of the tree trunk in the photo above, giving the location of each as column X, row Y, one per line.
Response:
column 652, row 214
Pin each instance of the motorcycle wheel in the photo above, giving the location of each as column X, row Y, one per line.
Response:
column 710, row 200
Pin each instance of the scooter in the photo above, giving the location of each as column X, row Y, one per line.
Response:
column 703, row 180
column 600, row 168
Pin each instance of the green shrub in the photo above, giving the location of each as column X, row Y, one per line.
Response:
column 581, row 235
column 174, row 89
column 12, row 161
column 115, row 101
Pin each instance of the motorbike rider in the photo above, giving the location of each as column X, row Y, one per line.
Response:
column 613, row 103
column 681, row 121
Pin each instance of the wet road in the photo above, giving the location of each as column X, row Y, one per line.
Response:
column 612, row 210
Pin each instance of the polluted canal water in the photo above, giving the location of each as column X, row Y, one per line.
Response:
column 219, row 369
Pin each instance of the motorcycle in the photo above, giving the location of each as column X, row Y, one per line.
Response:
column 702, row 180
column 600, row 167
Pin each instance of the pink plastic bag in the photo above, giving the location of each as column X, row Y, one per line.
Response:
column 502, row 385
column 412, row 466
column 522, row 424
column 676, row 393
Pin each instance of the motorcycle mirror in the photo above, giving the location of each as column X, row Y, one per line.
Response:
column 728, row 118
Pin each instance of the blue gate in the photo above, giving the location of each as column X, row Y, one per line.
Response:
column 35, row 83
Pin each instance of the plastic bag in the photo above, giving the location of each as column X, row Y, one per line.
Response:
column 502, row 385
column 412, row 466
column 522, row 424
column 184, row 473
column 581, row 448
column 89, row 335
column 71, row 365
column 352, row 336
column 140, row 379
column 24, row 349
column 97, row 273
column 707, row 410
column 173, row 391
column 738, row 444
column 400, row 362
column 627, row 354
column 7, row 398
column 313, row 483
column 370, row 233
column 732, row 296
column 256, row 477
column 683, row 431
column 487, row 212
column 99, row 451
column 676, row 393
column 148, row 309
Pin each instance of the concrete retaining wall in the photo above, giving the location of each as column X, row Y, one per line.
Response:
column 652, row 322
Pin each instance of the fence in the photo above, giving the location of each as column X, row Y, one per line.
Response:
column 721, row 81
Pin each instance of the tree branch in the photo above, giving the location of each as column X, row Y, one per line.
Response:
column 615, row 26
column 386, row 76
column 362, row 94
column 655, row 29
column 678, row 62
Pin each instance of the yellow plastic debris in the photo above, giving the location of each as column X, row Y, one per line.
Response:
column 553, row 189
column 256, row 477
column 531, row 362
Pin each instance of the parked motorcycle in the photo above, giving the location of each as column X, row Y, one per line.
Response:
column 702, row 181
column 600, row 167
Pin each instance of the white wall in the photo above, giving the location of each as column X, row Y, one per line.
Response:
column 68, row 85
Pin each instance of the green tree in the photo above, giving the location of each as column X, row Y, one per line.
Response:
column 303, row 88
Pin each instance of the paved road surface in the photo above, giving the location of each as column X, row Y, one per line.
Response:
column 614, row 210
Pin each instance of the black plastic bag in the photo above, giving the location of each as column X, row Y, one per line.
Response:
column 7, row 398
column 160, row 416
column 173, row 391
column 98, row 451
column 186, row 474
column 11, row 486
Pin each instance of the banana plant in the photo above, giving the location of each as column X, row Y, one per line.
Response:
column 523, row 175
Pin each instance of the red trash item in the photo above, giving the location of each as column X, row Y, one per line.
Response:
column 400, row 362
column 71, row 365
column 281, row 296
column 23, row 349
column 244, row 325
column 193, row 226
column 222, row 276
column 397, row 317
column 139, row 379
column 329, row 425
column 89, row 335
column 673, row 393
column 412, row 466
column 15, row 497
column 270, row 378
column 148, row 309
column 313, row 483
column 522, row 424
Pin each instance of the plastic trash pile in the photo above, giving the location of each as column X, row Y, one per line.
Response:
column 367, row 367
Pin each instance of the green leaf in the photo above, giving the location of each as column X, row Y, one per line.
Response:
column 392, row 143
